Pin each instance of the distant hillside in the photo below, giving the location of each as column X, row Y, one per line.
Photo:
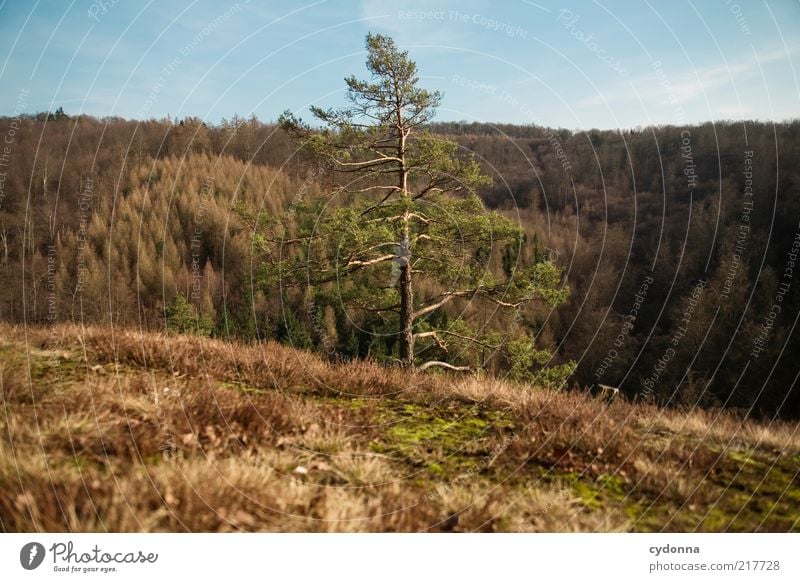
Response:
column 108, row 429
column 678, row 243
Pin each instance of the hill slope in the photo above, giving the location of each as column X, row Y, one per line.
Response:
column 125, row 431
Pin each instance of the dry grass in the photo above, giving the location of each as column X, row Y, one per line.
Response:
column 115, row 430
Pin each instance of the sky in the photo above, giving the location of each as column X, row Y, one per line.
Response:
column 574, row 64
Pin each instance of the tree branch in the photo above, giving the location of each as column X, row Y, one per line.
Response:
column 366, row 163
column 432, row 334
column 385, row 198
column 485, row 293
column 446, row 298
column 465, row 337
column 433, row 363
column 391, row 189
column 380, row 259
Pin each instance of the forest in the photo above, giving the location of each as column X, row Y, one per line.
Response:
column 677, row 246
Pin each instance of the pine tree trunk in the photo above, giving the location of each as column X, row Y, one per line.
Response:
column 406, row 289
column 406, row 314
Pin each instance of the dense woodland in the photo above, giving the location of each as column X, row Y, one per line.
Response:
column 678, row 244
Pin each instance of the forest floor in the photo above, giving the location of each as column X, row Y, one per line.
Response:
column 116, row 430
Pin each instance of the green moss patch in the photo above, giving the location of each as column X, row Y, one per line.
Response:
column 446, row 440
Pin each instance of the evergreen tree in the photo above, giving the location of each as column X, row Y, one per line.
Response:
column 182, row 317
column 403, row 233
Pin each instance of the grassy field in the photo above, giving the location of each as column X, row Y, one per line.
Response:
column 115, row 430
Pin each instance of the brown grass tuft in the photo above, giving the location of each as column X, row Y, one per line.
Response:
column 118, row 430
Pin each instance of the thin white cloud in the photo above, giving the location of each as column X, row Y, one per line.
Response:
column 688, row 86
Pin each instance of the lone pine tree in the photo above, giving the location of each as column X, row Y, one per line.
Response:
column 402, row 238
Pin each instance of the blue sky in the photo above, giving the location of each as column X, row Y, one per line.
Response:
column 574, row 64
